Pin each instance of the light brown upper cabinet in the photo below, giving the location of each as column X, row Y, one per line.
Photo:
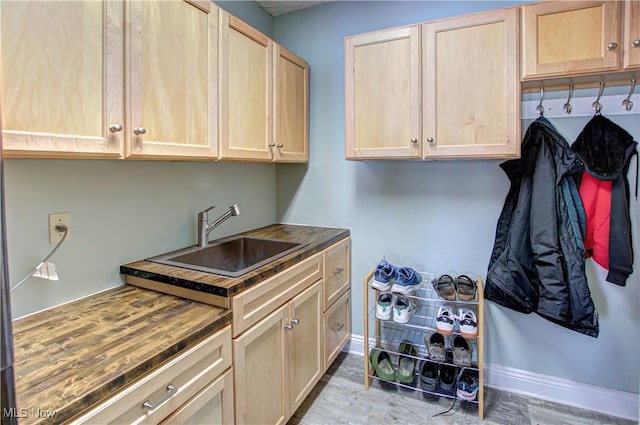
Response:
column 263, row 97
column 62, row 78
column 69, row 92
column 631, row 44
column 570, row 38
column 290, row 141
column 172, row 97
column 382, row 94
column 471, row 89
column 463, row 102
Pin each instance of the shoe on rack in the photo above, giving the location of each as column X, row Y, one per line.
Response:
column 406, row 282
column 435, row 347
column 429, row 375
column 447, row 378
column 466, row 288
column 462, row 351
column 445, row 320
column 444, row 287
column 407, row 362
column 403, row 308
column 468, row 385
column 468, row 323
column 384, row 306
column 381, row 362
column 384, row 276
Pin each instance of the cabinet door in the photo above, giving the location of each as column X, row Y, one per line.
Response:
column 337, row 328
column 213, row 405
column 62, row 78
column 382, row 94
column 305, row 344
column 260, row 365
column 172, row 96
column 246, row 69
column 631, row 45
column 290, row 107
column 472, row 114
column 570, row 37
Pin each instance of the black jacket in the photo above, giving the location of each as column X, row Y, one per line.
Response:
column 537, row 263
column 606, row 150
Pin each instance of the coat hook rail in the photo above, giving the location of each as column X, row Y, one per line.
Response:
column 627, row 104
column 597, row 106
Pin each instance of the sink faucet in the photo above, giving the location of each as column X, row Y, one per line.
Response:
column 204, row 228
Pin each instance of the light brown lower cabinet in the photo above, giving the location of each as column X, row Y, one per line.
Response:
column 286, row 332
column 213, row 405
column 196, row 384
column 279, row 360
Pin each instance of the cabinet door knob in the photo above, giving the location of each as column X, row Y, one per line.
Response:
column 414, row 140
column 295, row 321
column 272, row 145
column 279, row 145
column 171, row 390
column 139, row 130
column 114, row 128
column 612, row 46
column 288, row 326
column 636, row 43
column 430, row 140
column 338, row 327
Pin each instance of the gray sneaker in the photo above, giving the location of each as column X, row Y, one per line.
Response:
column 462, row 351
column 435, row 347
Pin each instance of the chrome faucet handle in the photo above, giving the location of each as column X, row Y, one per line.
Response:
column 203, row 214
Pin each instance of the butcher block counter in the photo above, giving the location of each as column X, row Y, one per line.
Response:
column 73, row 356
column 218, row 290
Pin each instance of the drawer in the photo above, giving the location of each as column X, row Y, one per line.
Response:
column 337, row 271
column 188, row 374
column 253, row 305
column 337, row 328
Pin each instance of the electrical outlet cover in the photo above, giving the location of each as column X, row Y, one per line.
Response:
column 54, row 220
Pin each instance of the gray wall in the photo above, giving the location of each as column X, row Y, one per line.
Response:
column 121, row 211
column 437, row 216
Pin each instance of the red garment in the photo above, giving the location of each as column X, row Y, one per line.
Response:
column 596, row 199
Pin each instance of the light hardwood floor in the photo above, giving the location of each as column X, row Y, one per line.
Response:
column 340, row 398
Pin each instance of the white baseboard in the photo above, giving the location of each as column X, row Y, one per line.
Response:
column 612, row 402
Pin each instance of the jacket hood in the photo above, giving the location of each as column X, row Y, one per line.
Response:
column 604, row 147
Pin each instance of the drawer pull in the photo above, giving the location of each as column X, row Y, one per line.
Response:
column 338, row 327
column 338, row 270
column 171, row 390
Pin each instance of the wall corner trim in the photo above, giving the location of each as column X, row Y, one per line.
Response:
column 609, row 401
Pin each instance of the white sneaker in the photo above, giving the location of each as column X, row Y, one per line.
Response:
column 468, row 323
column 445, row 320
column 403, row 308
column 384, row 306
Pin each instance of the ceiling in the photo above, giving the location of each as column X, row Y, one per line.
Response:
column 282, row 7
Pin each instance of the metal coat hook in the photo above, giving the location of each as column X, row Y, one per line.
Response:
column 567, row 106
column 540, row 108
column 597, row 106
column 627, row 103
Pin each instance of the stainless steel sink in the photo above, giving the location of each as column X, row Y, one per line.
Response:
column 233, row 256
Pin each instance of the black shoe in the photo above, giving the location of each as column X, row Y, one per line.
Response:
column 448, row 376
column 429, row 375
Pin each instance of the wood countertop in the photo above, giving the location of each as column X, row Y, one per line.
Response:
column 185, row 282
column 73, row 356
